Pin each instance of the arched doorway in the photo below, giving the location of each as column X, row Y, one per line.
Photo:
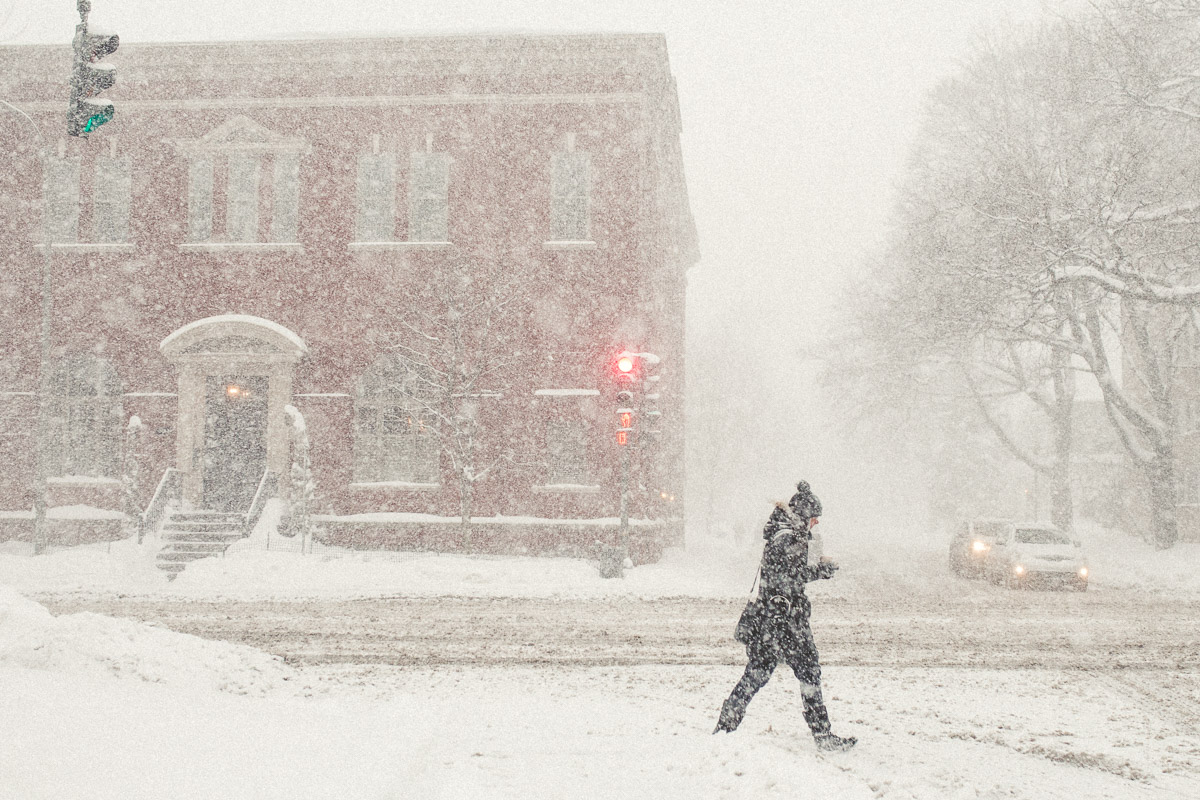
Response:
column 235, row 377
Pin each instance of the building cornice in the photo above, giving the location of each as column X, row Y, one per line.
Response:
column 628, row 60
column 131, row 106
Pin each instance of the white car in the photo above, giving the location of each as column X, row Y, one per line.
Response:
column 1036, row 553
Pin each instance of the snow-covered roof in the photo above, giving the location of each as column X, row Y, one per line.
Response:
column 236, row 320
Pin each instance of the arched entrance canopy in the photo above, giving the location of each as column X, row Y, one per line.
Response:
column 235, row 378
column 233, row 333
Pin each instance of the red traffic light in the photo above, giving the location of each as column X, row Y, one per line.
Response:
column 625, row 364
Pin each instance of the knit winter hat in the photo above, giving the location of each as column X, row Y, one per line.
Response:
column 804, row 503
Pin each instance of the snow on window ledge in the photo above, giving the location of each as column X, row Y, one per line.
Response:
column 79, row 512
column 377, row 247
column 241, row 247
column 569, row 245
column 93, row 247
column 395, row 485
column 566, row 392
column 577, row 488
column 82, row 480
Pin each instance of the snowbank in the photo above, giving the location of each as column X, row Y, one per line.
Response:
column 32, row 638
column 1121, row 561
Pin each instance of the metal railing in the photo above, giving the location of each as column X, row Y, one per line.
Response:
column 169, row 489
column 267, row 486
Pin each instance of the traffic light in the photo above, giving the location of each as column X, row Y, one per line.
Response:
column 626, row 372
column 636, row 375
column 89, row 77
column 650, row 408
column 627, row 367
column 624, row 425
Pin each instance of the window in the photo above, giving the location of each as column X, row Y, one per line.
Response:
column 429, row 189
column 238, row 157
column 110, row 200
column 1041, row 536
column 200, row 199
column 395, row 439
column 241, row 209
column 376, row 198
column 85, row 415
column 60, row 194
column 285, row 223
column 110, row 193
column 244, row 196
column 570, row 187
column 566, row 452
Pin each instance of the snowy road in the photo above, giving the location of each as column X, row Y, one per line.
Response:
column 980, row 626
column 956, row 690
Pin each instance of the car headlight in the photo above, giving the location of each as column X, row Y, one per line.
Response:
column 979, row 547
column 1083, row 572
column 1019, row 569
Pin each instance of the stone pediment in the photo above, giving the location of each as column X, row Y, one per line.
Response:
column 244, row 135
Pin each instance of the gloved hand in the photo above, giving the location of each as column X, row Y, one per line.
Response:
column 826, row 567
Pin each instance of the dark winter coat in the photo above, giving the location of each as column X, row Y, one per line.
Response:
column 785, row 567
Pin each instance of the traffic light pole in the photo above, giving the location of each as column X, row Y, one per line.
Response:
column 625, row 469
column 42, row 469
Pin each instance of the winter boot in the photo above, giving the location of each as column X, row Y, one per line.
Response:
column 731, row 716
column 830, row 742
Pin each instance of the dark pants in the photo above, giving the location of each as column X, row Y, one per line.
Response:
column 782, row 639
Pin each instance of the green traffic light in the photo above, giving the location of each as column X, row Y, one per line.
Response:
column 95, row 121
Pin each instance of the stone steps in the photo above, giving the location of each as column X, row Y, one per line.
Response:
column 191, row 535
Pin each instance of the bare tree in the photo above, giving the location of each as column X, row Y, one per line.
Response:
column 1052, row 206
column 452, row 345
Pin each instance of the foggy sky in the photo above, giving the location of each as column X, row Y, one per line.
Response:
column 797, row 117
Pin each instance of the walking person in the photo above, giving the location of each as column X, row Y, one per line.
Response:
column 781, row 631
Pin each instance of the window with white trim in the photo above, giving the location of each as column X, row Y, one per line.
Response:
column 428, row 192
column 570, row 190
column 65, row 205
column 567, row 452
column 241, row 206
column 376, row 198
column 110, row 199
column 200, row 198
column 394, row 435
column 285, row 208
column 60, row 198
column 240, row 156
column 84, row 415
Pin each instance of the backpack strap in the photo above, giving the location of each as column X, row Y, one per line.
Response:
column 756, row 574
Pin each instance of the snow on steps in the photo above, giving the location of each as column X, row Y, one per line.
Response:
column 191, row 535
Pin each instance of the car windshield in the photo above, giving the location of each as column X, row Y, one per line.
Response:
column 1041, row 536
column 990, row 530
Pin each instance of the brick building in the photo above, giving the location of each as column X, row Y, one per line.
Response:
column 431, row 247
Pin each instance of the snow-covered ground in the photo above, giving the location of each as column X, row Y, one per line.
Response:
column 97, row 707
column 102, row 708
